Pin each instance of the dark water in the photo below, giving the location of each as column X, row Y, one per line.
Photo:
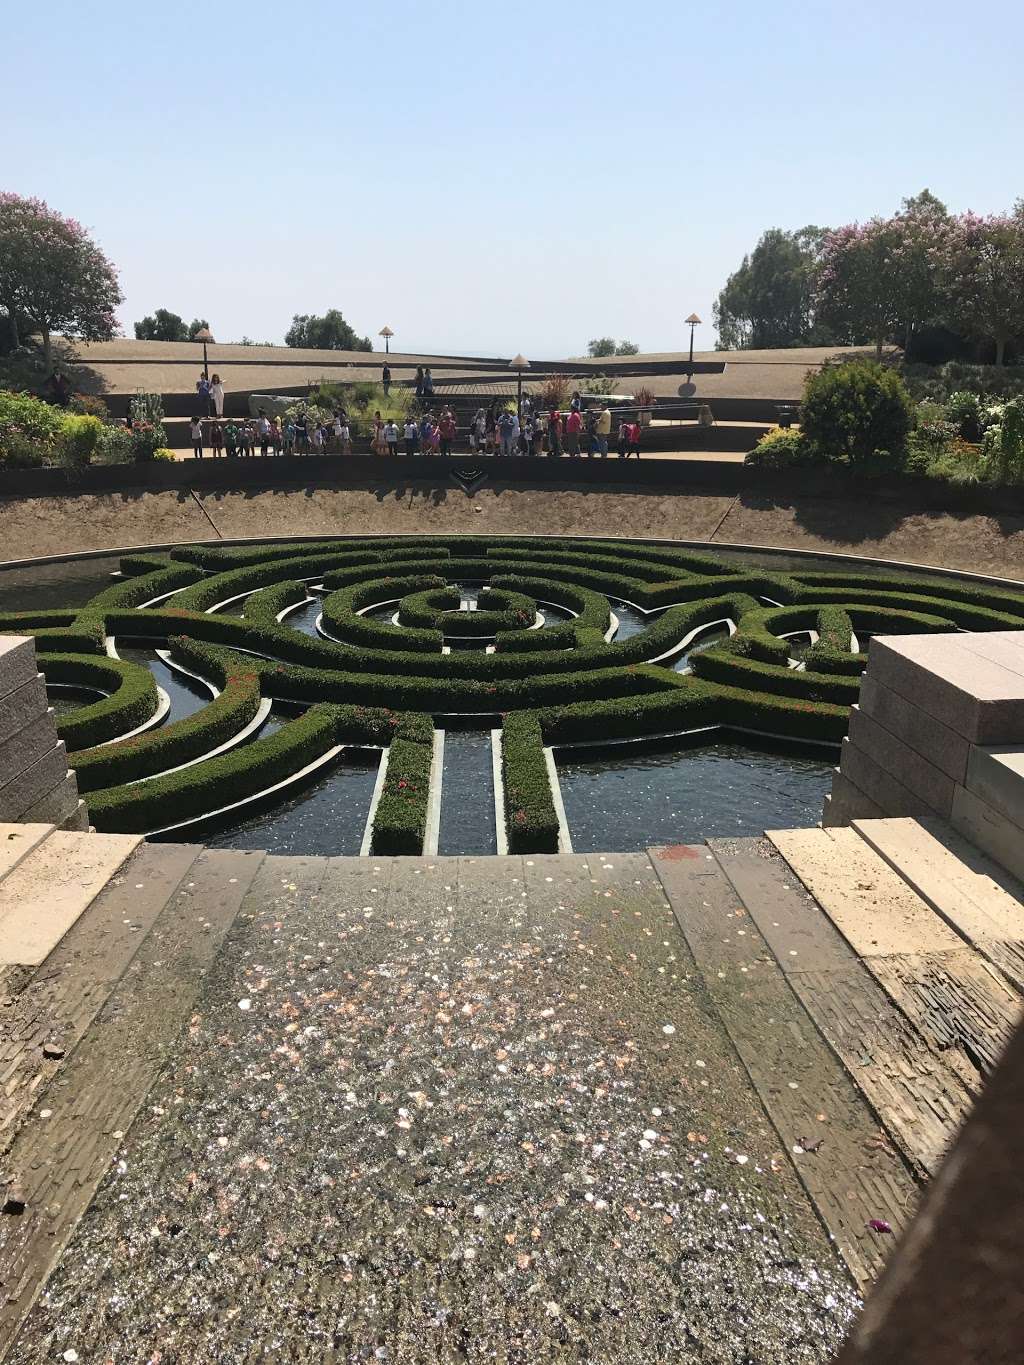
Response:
column 627, row 801
column 40, row 587
column 67, row 699
column 703, row 641
column 187, row 697
column 303, row 619
column 327, row 817
column 467, row 794
column 631, row 621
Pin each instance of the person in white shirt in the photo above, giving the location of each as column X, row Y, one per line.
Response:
column 412, row 436
column 391, row 436
column 217, row 394
column 196, row 433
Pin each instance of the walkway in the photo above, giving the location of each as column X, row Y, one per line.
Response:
column 615, row 1107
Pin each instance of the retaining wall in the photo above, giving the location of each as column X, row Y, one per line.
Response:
column 35, row 784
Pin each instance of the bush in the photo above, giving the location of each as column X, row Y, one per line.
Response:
column 147, row 434
column 531, row 821
column 89, row 405
column 29, row 430
column 964, row 409
column 80, row 438
column 400, row 820
column 115, row 446
column 1003, row 447
column 856, row 410
column 132, row 696
column 781, row 449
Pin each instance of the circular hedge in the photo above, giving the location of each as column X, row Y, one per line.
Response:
column 371, row 681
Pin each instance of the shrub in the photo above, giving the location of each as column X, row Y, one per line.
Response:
column 531, row 821
column 89, row 405
column 1003, row 447
column 147, row 434
column 964, row 409
column 29, row 429
column 115, row 445
column 132, row 696
column 80, row 439
column 400, row 820
column 781, row 449
column 856, row 410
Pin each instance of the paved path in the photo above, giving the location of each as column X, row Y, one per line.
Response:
column 448, row 1110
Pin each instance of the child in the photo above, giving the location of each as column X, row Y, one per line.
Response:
column 275, row 436
column 346, row 437
column 231, row 440
column 196, row 432
column 289, row 437
column 411, row 435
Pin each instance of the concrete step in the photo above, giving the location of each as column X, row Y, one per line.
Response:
column 424, row 1077
column 17, row 841
column 47, row 891
column 851, row 1176
column 920, row 1101
column 975, row 897
column 59, row 1001
column 62, row 1152
column 948, row 992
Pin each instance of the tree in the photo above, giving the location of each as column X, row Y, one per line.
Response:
column 920, row 230
column 981, row 269
column 196, row 325
column 859, row 281
column 768, row 302
column 53, row 277
column 627, row 348
column 857, row 409
column 162, row 326
column 329, row 333
column 605, row 346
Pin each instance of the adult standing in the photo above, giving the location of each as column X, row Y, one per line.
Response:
column 263, row 427
column 554, row 432
column 377, row 443
column 603, row 430
column 477, row 431
column 385, row 379
column 217, row 394
column 203, row 394
column 447, row 429
column 573, row 427
column 419, row 381
column 506, row 432
column 196, row 433
column 412, row 432
column 391, row 436
column 428, row 383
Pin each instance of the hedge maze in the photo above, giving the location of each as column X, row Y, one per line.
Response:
column 365, row 681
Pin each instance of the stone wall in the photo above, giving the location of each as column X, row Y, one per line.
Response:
column 939, row 732
column 35, row 784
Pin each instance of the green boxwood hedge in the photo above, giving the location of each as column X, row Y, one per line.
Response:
column 132, row 696
column 531, row 821
column 400, row 820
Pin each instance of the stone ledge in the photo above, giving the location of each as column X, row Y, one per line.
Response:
column 17, row 662
column 993, row 833
column 997, row 777
column 888, row 794
column 22, row 749
column 29, row 787
column 59, row 804
column 21, row 706
column 902, row 717
column 847, row 803
column 909, row 767
column 979, row 697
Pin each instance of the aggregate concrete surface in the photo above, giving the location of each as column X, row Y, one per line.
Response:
column 449, row 1111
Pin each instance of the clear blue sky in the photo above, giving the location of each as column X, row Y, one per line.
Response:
column 492, row 178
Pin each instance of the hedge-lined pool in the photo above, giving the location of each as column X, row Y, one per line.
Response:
column 632, row 796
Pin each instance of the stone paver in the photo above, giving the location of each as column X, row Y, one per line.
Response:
column 446, row 1110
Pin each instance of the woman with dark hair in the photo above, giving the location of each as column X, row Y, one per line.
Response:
column 217, row 394
column 419, row 381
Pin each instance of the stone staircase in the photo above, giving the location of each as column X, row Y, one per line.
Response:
column 565, row 1071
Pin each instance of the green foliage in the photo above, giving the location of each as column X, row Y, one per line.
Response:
column 400, row 820
column 855, row 411
column 132, row 696
column 531, row 822
column 1003, row 447
column 964, row 410
column 162, row 326
column 769, row 301
column 147, row 435
column 196, row 325
column 782, row 449
column 29, row 430
column 156, row 802
column 328, row 333
column 599, row 347
column 81, row 438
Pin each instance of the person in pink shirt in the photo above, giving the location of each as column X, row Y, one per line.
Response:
column 573, row 428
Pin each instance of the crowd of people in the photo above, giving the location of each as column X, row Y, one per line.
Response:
column 498, row 429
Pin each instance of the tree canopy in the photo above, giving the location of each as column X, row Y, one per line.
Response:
column 53, row 276
column 328, row 333
column 605, row 346
column 769, row 301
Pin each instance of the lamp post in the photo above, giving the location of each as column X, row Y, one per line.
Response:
column 519, row 365
column 692, row 321
column 206, row 337
column 387, row 334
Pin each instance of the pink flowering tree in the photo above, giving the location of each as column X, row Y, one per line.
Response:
column 856, row 281
column 53, row 277
column 981, row 265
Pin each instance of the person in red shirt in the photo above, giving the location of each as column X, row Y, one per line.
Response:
column 447, row 428
column 634, row 439
column 573, row 427
column 554, row 432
